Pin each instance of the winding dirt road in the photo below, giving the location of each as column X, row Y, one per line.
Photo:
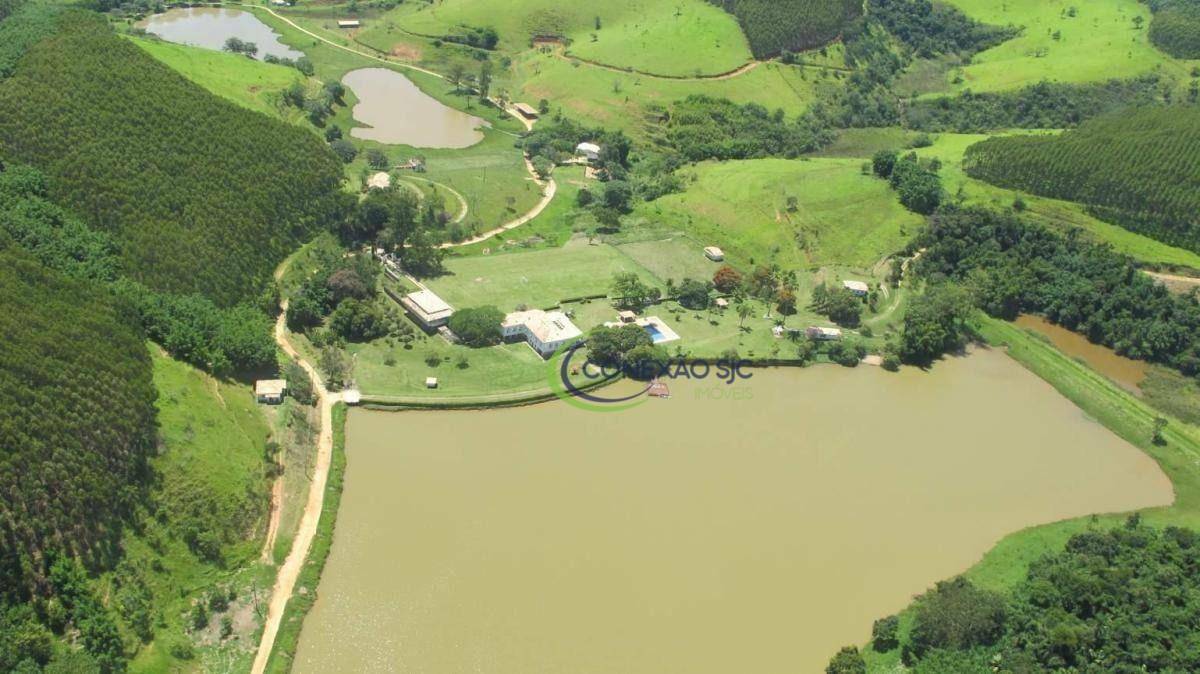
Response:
column 289, row 571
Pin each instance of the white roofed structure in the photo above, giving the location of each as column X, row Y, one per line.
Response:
column 427, row 308
column 857, row 287
column 545, row 331
column 380, row 181
column 589, row 150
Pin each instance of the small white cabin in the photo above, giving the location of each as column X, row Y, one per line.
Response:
column 349, row 23
column 589, row 151
column 857, row 287
column 713, row 253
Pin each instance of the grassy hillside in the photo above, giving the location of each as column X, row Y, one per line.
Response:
column 1137, row 168
column 1099, row 41
column 250, row 83
column 669, row 37
column 798, row 214
column 202, row 195
column 773, row 26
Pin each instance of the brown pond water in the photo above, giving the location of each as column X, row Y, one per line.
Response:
column 696, row 534
column 396, row 112
column 210, row 27
column 1125, row 372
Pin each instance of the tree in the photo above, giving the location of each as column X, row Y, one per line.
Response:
column 936, row 322
column 377, row 159
column 885, row 634
column 484, row 83
column 847, row 661
column 957, row 615
column 631, row 293
column 840, row 304
column 609, row 346
column 785, row 301
column 617, row 194
column 727, row 279
column 348, row 283
column 1160, row 425
column 478, row 326
column 335, row 364
column 344, row 149
column 883, row 162
column 646, row 361
column 744, row 310
column 358, row 321
column 299, row 385
column 693, row 294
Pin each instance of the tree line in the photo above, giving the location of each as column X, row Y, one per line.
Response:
column 1175, row 27
column 775, row 26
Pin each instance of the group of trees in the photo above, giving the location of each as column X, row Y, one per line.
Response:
column 628, row 348
column 341, row 288
column 930, row 29
column 1137, row 167
column 395, row 220
column 77, row 400
column 477, row 326
column 700, row 127
column 208, row 197
column 318, row 107
column 472, row 36
column 1121, row 600
column 1011, row 266
column 840, row 304
column 773, row 26
column 916, row 182
column 1175, row 28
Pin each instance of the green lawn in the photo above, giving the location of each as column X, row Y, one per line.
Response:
column 670, row 37
column 949, row 148
column 249, row 83
column 840, row 216
column 538, row 278
column 1100, row 42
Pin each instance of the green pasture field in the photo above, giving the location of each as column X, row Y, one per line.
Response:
column 1100, row 42
column 1130, row 418
column 538, row 278
column 250, row 83
column 621, row 100
column 949, row 148
column 840, row 216
column 667, row 37
column 213, row 439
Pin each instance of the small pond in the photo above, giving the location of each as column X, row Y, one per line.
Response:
column 210, row 27
column 1125, row 372
column 396, row 112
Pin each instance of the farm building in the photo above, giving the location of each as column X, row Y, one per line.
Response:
column 431, row 382
column 857, row 287
column 349, row 23
column 545, row 331
column 626, row 316
column 823, row 334
column 721, row 303
column 270, row 391
column 379, row 181
column 525, row 110
column 589, row 151
column 713, row 253
column 279, row 3
column 427, row 308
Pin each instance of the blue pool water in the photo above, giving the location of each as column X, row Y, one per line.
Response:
column 655, row 334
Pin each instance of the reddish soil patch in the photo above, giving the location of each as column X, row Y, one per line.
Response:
column 408, row 52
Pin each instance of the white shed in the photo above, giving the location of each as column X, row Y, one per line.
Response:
column 589, row 151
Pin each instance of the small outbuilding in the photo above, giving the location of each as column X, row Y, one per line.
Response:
column 428, row 309
column 431, row 382
column 627, row 316
column 349, row 23
column 525, row 110
column 721, row 303
column 713, row 253
column 379, row 181
column 589, row 151
column 270, row 391
column 857, row 287
column 823, row 334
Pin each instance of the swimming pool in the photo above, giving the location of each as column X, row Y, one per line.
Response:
column 654, row 333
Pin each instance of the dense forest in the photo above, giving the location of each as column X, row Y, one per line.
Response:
column 700, row 127
column 1123, row 600
column 930, row 29
column 1175, row 27
column 1013, row 266
column 201, row 195
column 775, row 26
column 1138, row 168
column 77, row 428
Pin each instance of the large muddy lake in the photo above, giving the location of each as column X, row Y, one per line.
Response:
column 714, row 532
column 1125, row 372
column 394, row 111
column 210, row 27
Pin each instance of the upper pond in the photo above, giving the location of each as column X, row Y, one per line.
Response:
column 696, row 534
column 210, row 27
column 396, row 112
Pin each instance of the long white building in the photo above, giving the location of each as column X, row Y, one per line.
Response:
column 545, row 331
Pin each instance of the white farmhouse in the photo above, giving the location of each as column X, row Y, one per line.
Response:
column 546, row 331
column 857, row 287
column 589, row 151
column 427, row 308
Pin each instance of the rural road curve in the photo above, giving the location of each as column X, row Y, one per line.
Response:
column 289, row 571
